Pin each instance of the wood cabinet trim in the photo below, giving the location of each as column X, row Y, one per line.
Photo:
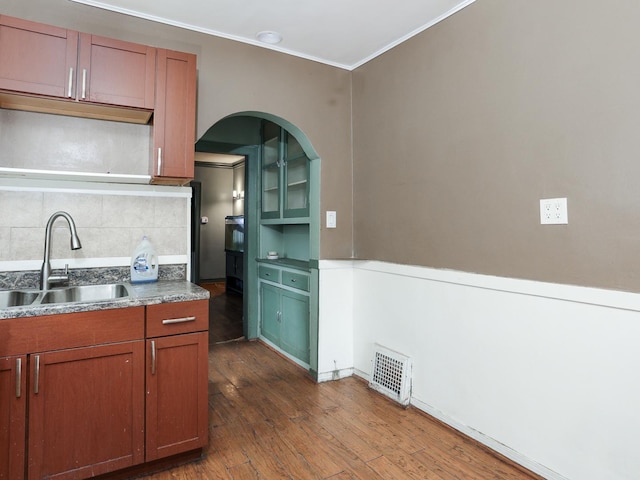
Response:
column 71, row 330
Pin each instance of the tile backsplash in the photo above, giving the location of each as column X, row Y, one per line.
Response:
column 109, row 223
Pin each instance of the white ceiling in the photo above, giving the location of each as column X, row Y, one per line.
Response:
column 342, row 33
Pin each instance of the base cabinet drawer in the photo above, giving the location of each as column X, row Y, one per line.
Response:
column 295, row 280
column 177, row 318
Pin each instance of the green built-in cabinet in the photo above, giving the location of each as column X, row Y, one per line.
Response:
column 285, row 175
column 284, row 283
column 285, row 310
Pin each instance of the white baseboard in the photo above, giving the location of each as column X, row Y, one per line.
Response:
column 480, row 437
column 335, row 375
column 489, row 442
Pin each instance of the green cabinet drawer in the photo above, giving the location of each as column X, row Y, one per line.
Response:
column 268, row 273
column 296, row 280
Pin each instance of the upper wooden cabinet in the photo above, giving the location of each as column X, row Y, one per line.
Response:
column 93, row 72
column 174, row 118
column 115, row 72
column 53, row 70
column 36, row 58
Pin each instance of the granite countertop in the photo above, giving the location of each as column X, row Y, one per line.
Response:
column 163, row 291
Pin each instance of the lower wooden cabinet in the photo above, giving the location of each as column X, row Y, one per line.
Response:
column 86, row 411
column 97, row 402
column 177, row 378
column 177, row 394
column 13, row 415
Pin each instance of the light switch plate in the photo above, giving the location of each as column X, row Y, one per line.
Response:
column 331, row 219
column 553, row 211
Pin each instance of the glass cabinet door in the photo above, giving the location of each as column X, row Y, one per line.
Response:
column 271, row 163
column 296, row 179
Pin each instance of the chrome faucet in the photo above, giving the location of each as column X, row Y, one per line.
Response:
column 46, row 279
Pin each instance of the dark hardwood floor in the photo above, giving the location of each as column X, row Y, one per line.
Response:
column 269, row 420
column 225, row 314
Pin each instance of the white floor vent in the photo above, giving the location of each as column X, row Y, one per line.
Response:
column 391, row 374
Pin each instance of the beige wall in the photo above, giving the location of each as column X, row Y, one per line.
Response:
column 234, row 77
column 460, row 131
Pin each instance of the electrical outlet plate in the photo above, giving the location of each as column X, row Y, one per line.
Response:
column 553, row 211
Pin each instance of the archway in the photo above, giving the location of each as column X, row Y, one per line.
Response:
column 241, row 134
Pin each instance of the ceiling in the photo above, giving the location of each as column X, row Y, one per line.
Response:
column 218, row 159
column 342, row 33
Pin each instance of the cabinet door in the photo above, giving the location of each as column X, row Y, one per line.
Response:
column 294, row 329
column 177, row 384
column 296, row 180
column 116, row 73
column 174, row 118
column 271, row 171
column 13, row 402
column 86, row 411
column 36, row 58
column 270, row 312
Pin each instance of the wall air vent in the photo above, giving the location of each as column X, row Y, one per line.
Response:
column 391, row 374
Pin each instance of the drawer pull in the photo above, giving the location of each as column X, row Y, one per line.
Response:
column 169, row 321
column 293, row 280
column 36, row 375
column 18, row 377
column 267, row 274
column 153, row 357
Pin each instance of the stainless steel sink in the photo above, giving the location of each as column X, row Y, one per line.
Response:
column 86, row 293
column 17, row 298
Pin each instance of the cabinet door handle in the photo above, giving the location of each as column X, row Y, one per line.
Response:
column 84, row 83
column 169, row 321
column 159, row 161
column 153, row 357
column 70, row 82
column 36, row 375
column 18, row 377
column 279, row 317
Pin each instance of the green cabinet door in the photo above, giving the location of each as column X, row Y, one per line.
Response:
column 296, row 179
column 270, row 312
column 271, row 161
column 294, row 328
column 284, row 318
column 284, row 175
